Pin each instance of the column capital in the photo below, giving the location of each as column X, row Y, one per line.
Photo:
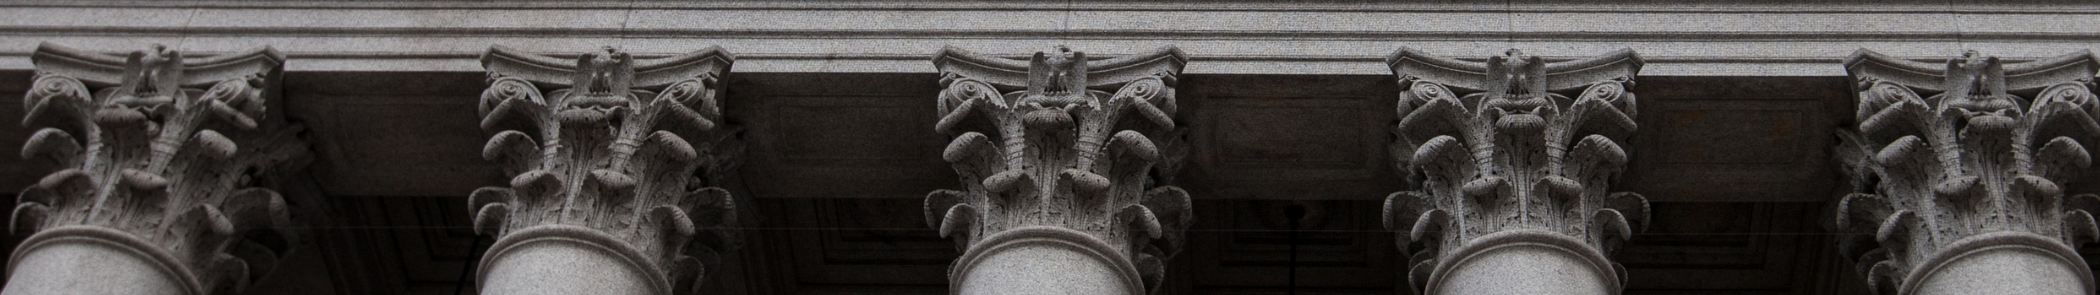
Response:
column 163, row 157
column 616, row 163
column 1980, row 165
column 1043, row 148
column 1515, row 150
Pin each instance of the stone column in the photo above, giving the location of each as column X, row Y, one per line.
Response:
column 1512, row 163
column 1964, row 191
column 612, row 173
column 162, row 167
column 1058, row 191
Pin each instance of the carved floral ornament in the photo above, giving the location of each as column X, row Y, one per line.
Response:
column 1976, row 154
column 1044, row 152
column 1500, row 153
column 167, row 156
column 624, row 154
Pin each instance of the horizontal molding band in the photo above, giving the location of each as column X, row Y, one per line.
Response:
column 1980, row 7
column 929, row 57
column 1087, row 34
column 1705, row 38
column 920, row 63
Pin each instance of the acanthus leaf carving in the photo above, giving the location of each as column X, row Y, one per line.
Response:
column 1501, row 147
column 168, row 155
column 1973, row 163
column 625, row 149
column 1051, row 149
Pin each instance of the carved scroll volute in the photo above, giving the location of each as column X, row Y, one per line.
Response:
column 1041, row 144
column 1972, row 163
column 621, row 150
column 1549, row 132
column 175, row 156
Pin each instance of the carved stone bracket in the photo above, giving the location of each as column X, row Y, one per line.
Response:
column 611, row 189
column 1059, row 175
column 1968, row 184
column 164, row 164
column 1511, row 177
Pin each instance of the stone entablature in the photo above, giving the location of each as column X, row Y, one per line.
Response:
column 165, row 168
column 1058, row 191
column 1323, row 37
column 613, row 173
column 1512, row 176
column 1960, row 174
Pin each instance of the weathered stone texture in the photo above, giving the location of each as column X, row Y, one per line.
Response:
column 1963, row 191
column 165, row 168
column 613, row 173
column 1056, row 172
column 1511, row 176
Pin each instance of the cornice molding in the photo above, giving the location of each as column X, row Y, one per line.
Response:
column 1753, row 35
column 1920, row 6
column 1733, row 38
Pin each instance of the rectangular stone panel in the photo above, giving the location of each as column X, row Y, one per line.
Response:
column 393, row 134
column 1310, row 134
column 1711, row 139
column 1751, row 135
column 839, row 136
column 1288, row 137
column 852, row 131
column 400, row 148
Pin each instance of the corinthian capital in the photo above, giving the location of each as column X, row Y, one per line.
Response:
column 1514, row 161
column 1971, row 177
column 162, row 167
column 1058, row 173
column 611, row 173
